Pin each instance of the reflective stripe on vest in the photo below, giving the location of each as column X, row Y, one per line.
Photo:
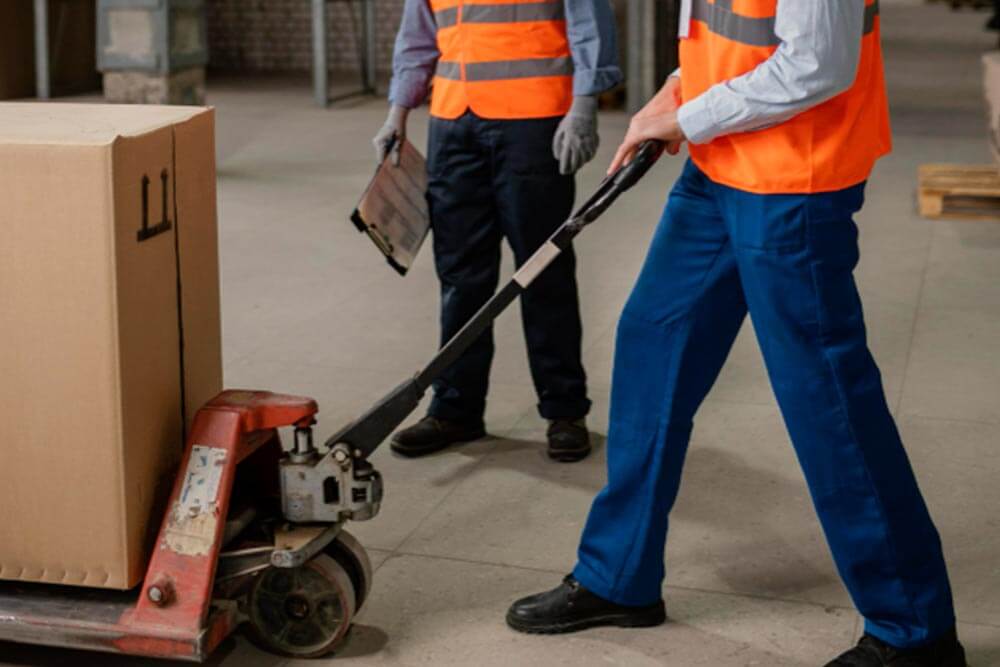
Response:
column 504, row 13
column 534, row 80
column 722, row 20
column 449, row 70
column 506, row 69
column 446, row 18
column 829, row 147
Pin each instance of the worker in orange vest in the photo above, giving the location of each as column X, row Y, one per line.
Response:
column 784, row 107
column 513, row 117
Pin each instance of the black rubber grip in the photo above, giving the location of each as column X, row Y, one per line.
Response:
column 647, row 155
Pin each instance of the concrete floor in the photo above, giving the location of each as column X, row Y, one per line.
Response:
column 310, row 308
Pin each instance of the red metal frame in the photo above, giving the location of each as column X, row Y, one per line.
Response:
column 174, row 616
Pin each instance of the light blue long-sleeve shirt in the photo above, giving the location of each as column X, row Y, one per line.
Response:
column 590, row 29
column 819, row 47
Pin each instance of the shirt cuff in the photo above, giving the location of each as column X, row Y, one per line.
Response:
column 408, row 89
column 596, row 81
column 697, row 121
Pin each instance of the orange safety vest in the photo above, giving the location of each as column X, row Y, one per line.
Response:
column 502, row 59
column 829, row 147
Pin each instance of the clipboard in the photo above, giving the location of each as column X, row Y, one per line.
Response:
column 393, row 209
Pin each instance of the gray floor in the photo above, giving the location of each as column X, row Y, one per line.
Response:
column 309, row 308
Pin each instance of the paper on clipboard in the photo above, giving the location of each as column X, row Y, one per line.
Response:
column 393, row 210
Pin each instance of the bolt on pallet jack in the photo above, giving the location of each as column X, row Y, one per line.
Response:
column 242, row 545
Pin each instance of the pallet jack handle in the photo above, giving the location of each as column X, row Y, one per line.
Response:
column 366, row 433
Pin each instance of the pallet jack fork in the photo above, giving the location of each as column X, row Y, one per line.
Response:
column 239, row 544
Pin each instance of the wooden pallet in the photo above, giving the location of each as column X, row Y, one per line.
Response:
column 970, row 192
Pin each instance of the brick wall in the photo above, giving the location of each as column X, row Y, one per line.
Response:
column 276, row 35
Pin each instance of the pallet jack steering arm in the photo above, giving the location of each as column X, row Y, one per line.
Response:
column 364, row 435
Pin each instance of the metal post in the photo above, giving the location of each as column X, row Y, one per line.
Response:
column 321, row 85
column 42, row 87
column 371, row 47
column 635, row 33
column 664, row 41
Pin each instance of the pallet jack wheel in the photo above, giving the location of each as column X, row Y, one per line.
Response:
column 301, row 612
column 347, row 550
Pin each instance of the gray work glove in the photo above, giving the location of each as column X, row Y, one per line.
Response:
column 392, row 134
column 576, row 140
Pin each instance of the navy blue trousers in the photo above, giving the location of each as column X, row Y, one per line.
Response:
column 489, row 180
column 788, row 260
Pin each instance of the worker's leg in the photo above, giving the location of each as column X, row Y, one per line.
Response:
column 673, row 337
column 796, row 255
column 532, row 200
column 467, row 256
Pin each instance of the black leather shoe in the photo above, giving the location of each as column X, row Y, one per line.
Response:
column 569, row 440
column 571, row 607
column 431, row 434
column 872, row 652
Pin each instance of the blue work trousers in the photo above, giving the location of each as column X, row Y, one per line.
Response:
column 787, row 259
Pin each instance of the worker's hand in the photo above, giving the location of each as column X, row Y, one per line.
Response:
column 667, row 99
column 576, row 140
column 656, row 120
column 392, row 135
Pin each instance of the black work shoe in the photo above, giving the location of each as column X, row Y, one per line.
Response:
column 872, row 652
column 569, row 440
column 431, row 434
column 571, row 607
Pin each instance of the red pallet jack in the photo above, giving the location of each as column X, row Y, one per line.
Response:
column 241, row 544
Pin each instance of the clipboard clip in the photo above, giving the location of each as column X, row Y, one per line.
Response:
column 393, row 143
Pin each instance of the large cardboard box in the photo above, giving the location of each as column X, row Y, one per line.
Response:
column 109, row 329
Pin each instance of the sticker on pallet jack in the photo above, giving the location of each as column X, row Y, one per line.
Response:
column 202, row 478
column 193, row 521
